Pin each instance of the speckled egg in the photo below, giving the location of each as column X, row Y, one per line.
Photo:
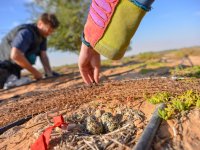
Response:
column 109, row 122
column 93, row 125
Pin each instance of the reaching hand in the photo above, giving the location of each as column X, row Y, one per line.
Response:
column 89, row 64
column 52, row 74
column 37, row 75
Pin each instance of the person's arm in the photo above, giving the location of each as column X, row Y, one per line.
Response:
column 18, row 57
column 45, row 62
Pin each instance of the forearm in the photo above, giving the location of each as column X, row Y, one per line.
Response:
column 21, row 60
column 46, row 65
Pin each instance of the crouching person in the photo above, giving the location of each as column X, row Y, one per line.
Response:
column 20, row 47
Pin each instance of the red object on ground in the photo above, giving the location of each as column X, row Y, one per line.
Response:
column 43, row 141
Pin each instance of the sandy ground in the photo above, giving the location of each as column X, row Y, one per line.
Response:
column 67, row 94
column 180, row 133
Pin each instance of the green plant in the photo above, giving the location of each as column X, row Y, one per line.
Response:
column 187, row 72
column 148, row 56
column 178, row 105
column 170, row 110
column 175, row 104
column 191, row 51
column 198, row 103
column 155, row 64
column 162, row 113
column 159, row 98
column 106, row 63
column 71, row 15
column 189, row 98
column 145, row 71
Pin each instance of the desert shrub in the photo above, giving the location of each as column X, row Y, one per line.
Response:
column 148, row 56
column 175, row 104
column 187, row 72
column 159, row 98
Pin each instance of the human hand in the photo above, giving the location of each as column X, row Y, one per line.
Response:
column 48, row 74
column 56, row 74
column 37, row 75
column 52, row 74
column 89, row 64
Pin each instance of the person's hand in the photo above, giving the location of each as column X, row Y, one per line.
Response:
column 56, row 74
column 48, row 74
column 37, row 75
column 89, row 64
column 18, row 57
column 52, row 74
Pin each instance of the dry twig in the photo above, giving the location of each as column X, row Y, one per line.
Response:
column 86, row 142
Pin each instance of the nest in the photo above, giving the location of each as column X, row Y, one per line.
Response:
column 99, row 129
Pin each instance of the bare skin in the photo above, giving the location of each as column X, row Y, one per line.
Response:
column 89, row 64
column 45, row 62
column 20, row 59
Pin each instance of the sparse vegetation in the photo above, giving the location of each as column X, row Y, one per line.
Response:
column 148, row 62
column 192, row 51
column 163, row 114
column 148, row 56
column 159, row 98
column 107, row 63
column 198, row 103
column 145, row 71
column 187, row 72
column 177, row 104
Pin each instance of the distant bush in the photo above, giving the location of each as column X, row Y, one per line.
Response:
column 148, row 56
column 193, row 51
column 145, row 71
column 187, row 72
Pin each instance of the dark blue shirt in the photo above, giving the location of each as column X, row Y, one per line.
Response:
column 24, row 39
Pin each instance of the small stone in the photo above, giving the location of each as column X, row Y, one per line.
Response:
column 36, row 135
column 98, row 113
column 57, row 129
column 118, row 110
column 80, row 142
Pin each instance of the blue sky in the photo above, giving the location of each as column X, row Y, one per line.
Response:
column 170, row 24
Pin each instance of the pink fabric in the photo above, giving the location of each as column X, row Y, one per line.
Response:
column 103, row 4
column 96, row 18
column 100, row 13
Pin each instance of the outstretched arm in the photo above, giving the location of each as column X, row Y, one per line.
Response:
column 18, row 57
column 108, row 32
column 45, row 62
